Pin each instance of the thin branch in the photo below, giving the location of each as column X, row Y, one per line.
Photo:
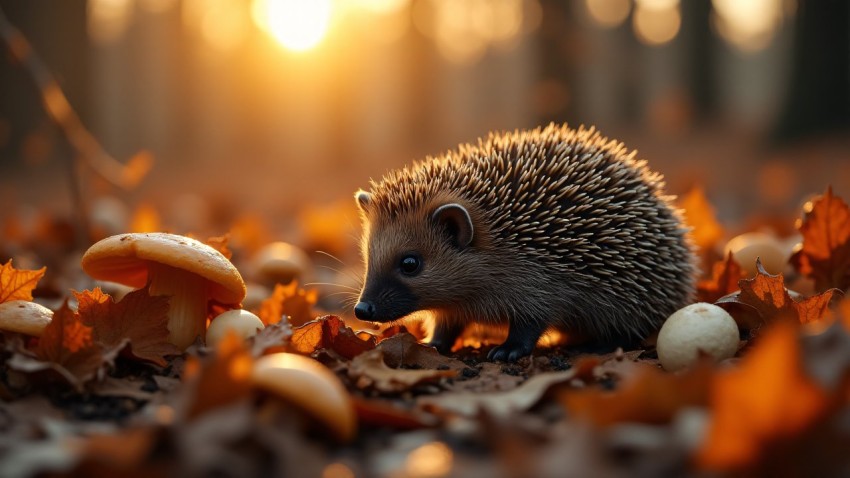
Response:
column 60, row 111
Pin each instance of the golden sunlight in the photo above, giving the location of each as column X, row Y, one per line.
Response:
column 297, row 25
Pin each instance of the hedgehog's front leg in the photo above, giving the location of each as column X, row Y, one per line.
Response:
column 522, row 337
column 446, row 333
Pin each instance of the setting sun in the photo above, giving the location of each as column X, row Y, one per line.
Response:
column 297, row 25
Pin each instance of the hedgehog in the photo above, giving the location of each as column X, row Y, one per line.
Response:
column 551, row 227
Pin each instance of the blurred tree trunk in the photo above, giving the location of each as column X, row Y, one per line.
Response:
column 700, row 59
column 818, row 96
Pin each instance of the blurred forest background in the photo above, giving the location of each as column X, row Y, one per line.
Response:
column 278, row 110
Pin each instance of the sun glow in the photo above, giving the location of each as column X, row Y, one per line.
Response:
column 297, row 25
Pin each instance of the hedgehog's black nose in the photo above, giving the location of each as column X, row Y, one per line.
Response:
column 364, row 310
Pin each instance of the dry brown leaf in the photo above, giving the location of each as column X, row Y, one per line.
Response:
column 329, row 332
column 498, row 404
column 221, row 380
column 291, row 301
column 271, row 339
column 725, row 275
column 138, row 317
column 825, row 254
column 369, row 371
column 768, row 398
column 383, row 413
column 18, row 284
column 767, row 295
column 403, row 350
column 648, row 396
column 66, row 347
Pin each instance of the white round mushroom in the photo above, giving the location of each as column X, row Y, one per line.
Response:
column 239, row 321
column 699, row 327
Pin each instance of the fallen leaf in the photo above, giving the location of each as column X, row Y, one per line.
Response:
column 138, row 317
column 649, row 396
column 291, row 301
column 222, row 379
column 369, row 371
column 219, row 243
column 767, row 295
column 725, row 275
column 699, row 214
column 329, row 332
column 66, row 347
column 383, row 413
column 271, row 339
column 825, row 253
column 768, row 398
column 403, row 350
column 498, row 404
column 18, row 284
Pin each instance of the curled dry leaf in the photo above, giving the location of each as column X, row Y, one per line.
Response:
column 403, row 350
column 725, row 275
column 291, row 301
column 499, row 404
column 369, row 371
column 329, row 332
column 138, row 317
column 18, row 284
column 768, row 398
column 272, row 339
column 767, row 295
column 825, row 253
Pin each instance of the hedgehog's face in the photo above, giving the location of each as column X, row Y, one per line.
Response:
column 409, row 260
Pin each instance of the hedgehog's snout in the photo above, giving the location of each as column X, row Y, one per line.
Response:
column 364, row 310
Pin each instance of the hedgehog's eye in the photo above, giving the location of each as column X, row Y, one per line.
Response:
column 410, row 264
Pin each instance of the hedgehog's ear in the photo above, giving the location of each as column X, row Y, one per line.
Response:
column 363, row 199
column 455, row 218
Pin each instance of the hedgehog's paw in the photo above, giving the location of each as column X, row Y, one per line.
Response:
column 508, row 352
column 522, row 337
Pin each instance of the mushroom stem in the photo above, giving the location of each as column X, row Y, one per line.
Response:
column 187, row 311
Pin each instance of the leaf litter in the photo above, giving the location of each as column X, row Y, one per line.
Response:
column 102, row 391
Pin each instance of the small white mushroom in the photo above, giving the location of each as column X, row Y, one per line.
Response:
column 239, row 321
column 280, row 262
column 24, row 317
column 699, row 327
column 746, row 248
column 310, row 386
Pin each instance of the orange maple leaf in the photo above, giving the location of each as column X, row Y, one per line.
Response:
column 700, row 216
column 825, row 254
column 769, row 397
column 67, row 343
column 725, row 275
column 18, row 284
column 138, row 318
column 291, row 301
column 766, row 293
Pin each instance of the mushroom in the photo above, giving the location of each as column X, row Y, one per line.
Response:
column 241, row 322
column 694, row 329
column 280, row 262
column 24, row 317
column 748, row 247
column 189, row 271
column 310, row 386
